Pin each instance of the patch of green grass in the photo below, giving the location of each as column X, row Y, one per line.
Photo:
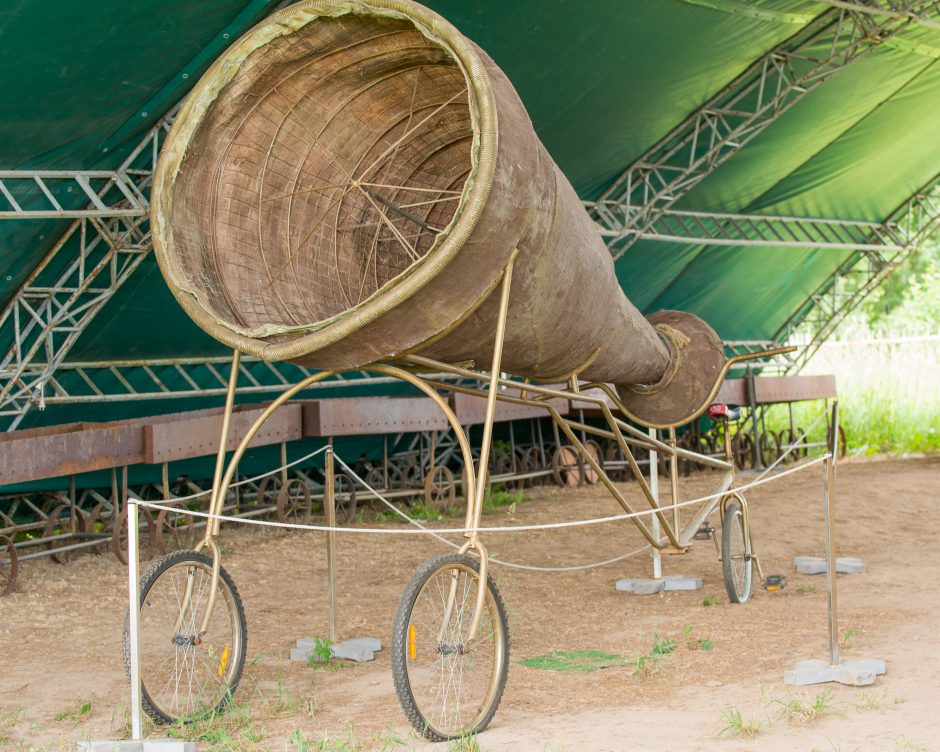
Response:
column 497, row 497
column 322, row 651
column 709, row 601
column 737, row 726
column 298, row 742
column 231, row 731
column 8, row 722
column 871, row 700
column 577, row 660
column 77, row 713
column 390, row 740
column 848, row 637
column 800, row 710
column 903, row 744
column 465, row 743
column 696, row 643
column 806, row 589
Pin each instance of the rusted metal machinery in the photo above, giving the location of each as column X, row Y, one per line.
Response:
column 356, row 185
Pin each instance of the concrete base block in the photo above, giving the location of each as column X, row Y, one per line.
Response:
column 817, row 565
column 358, row 649
column 147, row 745
column 651, row 587
column 859, row 673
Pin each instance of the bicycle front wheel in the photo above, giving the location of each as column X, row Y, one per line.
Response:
column 449, row 685
column 186, row 674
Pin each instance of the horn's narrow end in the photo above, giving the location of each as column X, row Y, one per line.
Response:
column 691, row 380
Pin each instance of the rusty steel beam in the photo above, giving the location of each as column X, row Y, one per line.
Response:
column 355, row 416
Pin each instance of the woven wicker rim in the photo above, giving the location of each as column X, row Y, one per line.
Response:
column 475, row 192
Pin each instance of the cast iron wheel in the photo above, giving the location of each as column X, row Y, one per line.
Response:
column 769, row 448
column 146, row 540
column 440, row 489
column 533, row 460
column 344, row 488
column 185, row 675
column 736, row 554
column 59, row 522
column 174, row 531
column 100, row 521
column 447, row 687
column 293, row 501
column 567, row 466
column 742, row 446
column 8, row 567
column 596, row 453
column 268, row 490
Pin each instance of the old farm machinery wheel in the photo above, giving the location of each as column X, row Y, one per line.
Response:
column 148, row 537
column 59, row 528
column 596, row 453
column 449, row 686
column 567, row 466
column 736, row 560
column 187, row 673
column 9, row 566
column 294, row 502
column 440, row 489
column 175, row 531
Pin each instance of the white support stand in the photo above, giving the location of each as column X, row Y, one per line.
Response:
column 658, row 583
column 136, row 743
column 858, row 673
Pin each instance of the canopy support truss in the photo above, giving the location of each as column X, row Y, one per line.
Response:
column 739, row 112
column 858, row 276
column 70, row 194
column 80, row 273
column 761, row 230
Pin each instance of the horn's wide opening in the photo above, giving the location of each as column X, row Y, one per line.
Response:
column 330, row 163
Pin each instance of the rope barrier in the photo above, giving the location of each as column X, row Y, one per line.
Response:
column 509, row 564
column 793, row 445
column 491, row 529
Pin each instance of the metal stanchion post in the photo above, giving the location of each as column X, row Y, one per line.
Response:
column 829, row 498
column 133, row 584
column 654, row 490
column 329, row 507
column 858, row 672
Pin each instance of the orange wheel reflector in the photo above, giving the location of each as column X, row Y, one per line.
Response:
column 224, row 662
column 412, row 642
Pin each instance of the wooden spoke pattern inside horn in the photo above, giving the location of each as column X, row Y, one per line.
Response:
column 324, row 169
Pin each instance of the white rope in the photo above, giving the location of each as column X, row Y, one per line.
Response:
column 177, row 499
column 793, row 445
column 494, row 529
column 511, row 565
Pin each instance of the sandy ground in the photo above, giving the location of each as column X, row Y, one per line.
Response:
column 60, row 634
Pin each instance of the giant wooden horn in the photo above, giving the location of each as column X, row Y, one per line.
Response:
column 347, row 183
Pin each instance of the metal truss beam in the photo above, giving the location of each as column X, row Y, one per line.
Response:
column 86, row 266
column 738, row 113
column 82, row 382
column 759, row 230
column 69, row 194
column 926, row 15
column 858, row 276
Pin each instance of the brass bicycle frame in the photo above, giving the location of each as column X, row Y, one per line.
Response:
column 677, row 538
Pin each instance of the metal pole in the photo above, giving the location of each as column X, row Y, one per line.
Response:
column 134, row 618
column 829, row 500
column 654, row 492
column 329, row 508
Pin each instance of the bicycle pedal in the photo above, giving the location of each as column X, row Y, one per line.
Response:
column 704, row 533
column 775, row 582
